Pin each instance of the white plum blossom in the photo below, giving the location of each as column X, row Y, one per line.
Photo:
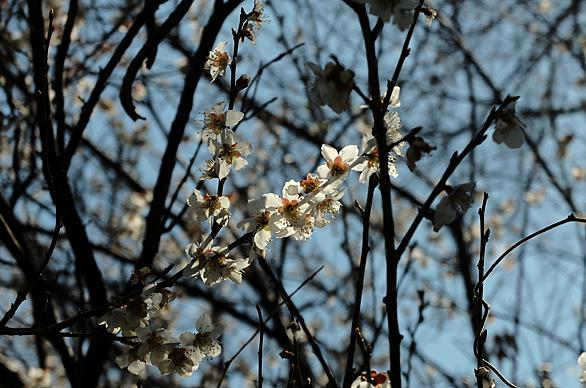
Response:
column 401, row 11
column 135, row 314
column 332, row 86
column 394, row 101
column 216, row 121
column 393, row 125
column 292, row 217
column 456, row 202
column 508, row 127
column 207, row 206
column 260, row 211
column 181, row 360
column 369, row 162
column 155, row 344
column 206, row 338
column 131, row 361
column 229, row 151
column 154, row 348
column 325, row 205
column 212, row 265
column 220, row 267
column 257, row 16
column 217, row 61
column 337, row 164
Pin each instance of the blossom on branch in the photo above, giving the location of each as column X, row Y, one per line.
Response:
column 206, row 338
column 206, row 206
column 368, row 162
column 337, row 164
column 217, row 61
column 508, row 127
column 260, row 211
column 229, row 151
column 456, row 203
column 257, row 16
column 217, row 121
column 292, row 217
column 332, row 87
column 401, row 11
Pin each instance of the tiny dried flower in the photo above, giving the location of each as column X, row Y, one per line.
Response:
column 417, row 147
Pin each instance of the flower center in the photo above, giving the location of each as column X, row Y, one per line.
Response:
column 221, row 60
column 211, row 202
column 230, row 152
column 216, row 122
column 263, row 219
column 338, row 166
column 290, row 208
column 309, row 184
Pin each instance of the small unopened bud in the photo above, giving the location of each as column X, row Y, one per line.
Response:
column 242, row 82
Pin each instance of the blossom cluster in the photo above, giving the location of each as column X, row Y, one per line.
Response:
column 159, row 348
column 135, row 317
column 301, row 207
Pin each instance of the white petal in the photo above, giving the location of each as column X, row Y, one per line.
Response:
column 222, row 169
column 395, row 102
column 240, row 163
column 349, row 153
column 136, row 367
column 515, row 138
column 204, row 324
column 582, row 361
column 233, row 117
column 323, row 171
column 444, row 214
column 272, row 201
column 262, row 238
column 329, row 153
column 186, row 338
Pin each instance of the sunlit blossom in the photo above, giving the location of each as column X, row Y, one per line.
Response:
column 337, row 164
column 216, row 121
column 229, row 152
column 206, row 338
column 205, row 206
column 260, row 211
column 217, row 61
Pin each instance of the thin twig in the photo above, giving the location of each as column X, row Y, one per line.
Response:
column 260, row 343
column 570, row 218
column 257, row 331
